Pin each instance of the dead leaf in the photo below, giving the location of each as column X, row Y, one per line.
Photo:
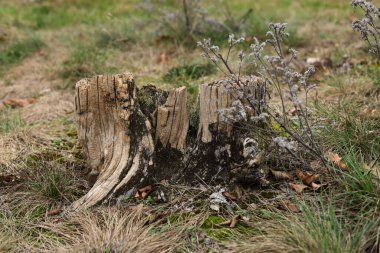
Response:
column 142, row 193
column 215, row 207
column 307, row 177
column 290, row 206
column 376, row 172
column 292, row 111
column 239, row 192
column 162, row 59
column 232, row 222
column 281, row 175
column 315, row 186
column 244, row 218
column 226, row 223
column 373, row 169
column 229, row 196
column 55, row 212
column 298, row 188
column 258, row 160
column 337, row 160
column 17, row 102
column 203, row 188
column 352, row 18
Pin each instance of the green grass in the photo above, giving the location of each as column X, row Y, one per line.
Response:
column 53, row 15
column 361, row 187
column 325, row 228
column 347, row 129
column 187, row 73
column 371, row 70
column 55, row 185
column 85, row 61
column 18, row 51
column 211, row 227
column 121, row 37
column 325, row 224
column 10, row 120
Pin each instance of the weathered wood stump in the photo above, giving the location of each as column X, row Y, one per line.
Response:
column 127, row 145
column 114, row 133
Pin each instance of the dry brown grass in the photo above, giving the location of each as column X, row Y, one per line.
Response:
column 122, row 230
column 103, row 229
column 7, row 244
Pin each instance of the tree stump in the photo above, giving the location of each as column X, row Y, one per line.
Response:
column 128, row 144
column 114, row 133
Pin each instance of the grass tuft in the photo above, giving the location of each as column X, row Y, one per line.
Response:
column 84, row 61
column 10, row 120
column 55, row 185
column 119, row 36
column 188, row 73
column 348, row 129
column 19, row 50
column 361, row 187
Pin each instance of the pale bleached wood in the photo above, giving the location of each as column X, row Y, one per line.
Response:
column 213, row 97
column 115, row 135
column 173, row 120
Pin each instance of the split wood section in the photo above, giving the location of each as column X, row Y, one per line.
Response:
column 173, row 121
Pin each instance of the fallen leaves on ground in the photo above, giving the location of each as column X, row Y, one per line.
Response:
column 18, row 102
column 281, row 175
column 229, row 196
column 376, row 172
column 298, row 188
column 142, row 193
column 290, row 206
column 215, row 207
column 162, row 59
column 258, row 160
column 55, row 212
column 234, row 220
column 308, row 179
column 292, row 111
column 337, row 160
column 238, row 191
